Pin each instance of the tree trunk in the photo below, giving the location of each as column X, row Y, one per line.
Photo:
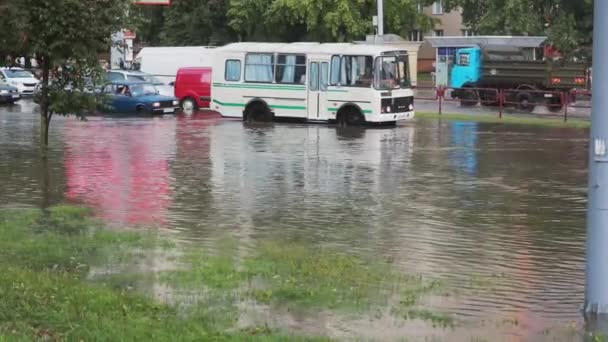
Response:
column 45, row 116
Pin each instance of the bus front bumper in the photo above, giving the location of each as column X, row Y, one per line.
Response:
column 390, row 117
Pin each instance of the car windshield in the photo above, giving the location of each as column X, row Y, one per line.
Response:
column 143, row 89
column 144, row 78
column 16, row 73
column 392, row 72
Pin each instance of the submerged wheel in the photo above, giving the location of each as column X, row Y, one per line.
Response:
column 350, row 116
column 525, row 102
column 140, row 110
column 189, row 105
column 257, row 112
column 469, row 98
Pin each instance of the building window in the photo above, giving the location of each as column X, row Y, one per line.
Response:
column 467, row 33
column 291, row 69
column 259, row 67
column 438, row 7
column 233, row 70
column 438, row 33
column 416, row 36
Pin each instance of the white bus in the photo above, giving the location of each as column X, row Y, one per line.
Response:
column 164, row 62
column 345, row 83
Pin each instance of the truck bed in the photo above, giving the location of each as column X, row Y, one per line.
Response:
column 540, row 74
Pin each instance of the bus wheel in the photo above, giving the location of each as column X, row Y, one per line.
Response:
column 350, row 116
column 469, row 98
column 525, row 102
column 257, row 112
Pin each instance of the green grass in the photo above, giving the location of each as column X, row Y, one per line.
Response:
column 519, row 120
column 45, row 257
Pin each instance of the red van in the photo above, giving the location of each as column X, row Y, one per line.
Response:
column 193, row 88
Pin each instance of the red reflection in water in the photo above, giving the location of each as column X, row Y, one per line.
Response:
column 121, row 168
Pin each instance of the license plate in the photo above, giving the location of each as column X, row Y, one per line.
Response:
column 548, row 95
column 15, row 96
column 168, row 110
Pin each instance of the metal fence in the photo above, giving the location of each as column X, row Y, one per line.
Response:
column 524, row 100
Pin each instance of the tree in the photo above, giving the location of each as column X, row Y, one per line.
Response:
column 66, row 36
column 195, row 22
column 323, row 20
column 568, row 24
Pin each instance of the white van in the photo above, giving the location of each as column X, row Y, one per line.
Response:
column 164, row 62
column 21, row 79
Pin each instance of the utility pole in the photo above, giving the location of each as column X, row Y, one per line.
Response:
column 596, row 296
column 380, row 17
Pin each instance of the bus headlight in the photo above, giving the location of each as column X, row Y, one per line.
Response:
column 411, row 107
column 388, row 109
column 156, row 104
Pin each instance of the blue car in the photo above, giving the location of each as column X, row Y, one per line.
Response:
column 139, row 98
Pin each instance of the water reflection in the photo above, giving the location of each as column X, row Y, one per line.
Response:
column 496, row 212
column 123, row 171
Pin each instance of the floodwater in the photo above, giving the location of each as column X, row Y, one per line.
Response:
column 468, row 203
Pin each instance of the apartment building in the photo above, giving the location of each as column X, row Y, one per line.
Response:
column 450, row 24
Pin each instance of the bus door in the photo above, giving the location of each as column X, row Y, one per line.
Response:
column 317, row 90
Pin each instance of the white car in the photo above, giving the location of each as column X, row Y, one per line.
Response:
column 138, row 76
column 23, row 80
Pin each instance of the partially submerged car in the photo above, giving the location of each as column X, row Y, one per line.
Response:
column 8, row 93
column 138, row 98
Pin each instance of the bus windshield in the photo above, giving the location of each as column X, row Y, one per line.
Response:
column 392, row 72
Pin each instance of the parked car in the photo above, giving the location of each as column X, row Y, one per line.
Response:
column 8, row 93
column 138, row 76
column 193, row 88
column 23, row 80
column 138, row 97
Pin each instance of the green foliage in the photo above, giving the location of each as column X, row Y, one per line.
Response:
column 568, row 24
column 194, row 22
column 66, row 36
column 191, row 22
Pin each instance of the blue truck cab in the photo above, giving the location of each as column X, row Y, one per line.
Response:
column 468, row 67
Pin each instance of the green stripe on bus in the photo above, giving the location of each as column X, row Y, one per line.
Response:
column 365, row 111
column 228, row 104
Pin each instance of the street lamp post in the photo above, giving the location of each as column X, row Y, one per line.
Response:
column 380, row 17
column 596, row 296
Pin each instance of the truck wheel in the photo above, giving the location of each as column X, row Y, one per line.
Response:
column 525, row 102
column 469, row 98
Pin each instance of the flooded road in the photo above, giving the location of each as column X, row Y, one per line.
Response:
column 495, row 211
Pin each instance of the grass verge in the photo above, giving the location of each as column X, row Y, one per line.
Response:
column 519, row 120
column 45, row 259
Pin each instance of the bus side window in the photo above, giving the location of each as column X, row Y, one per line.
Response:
column 233, row 70
column 335, row 71
column 324, row 75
